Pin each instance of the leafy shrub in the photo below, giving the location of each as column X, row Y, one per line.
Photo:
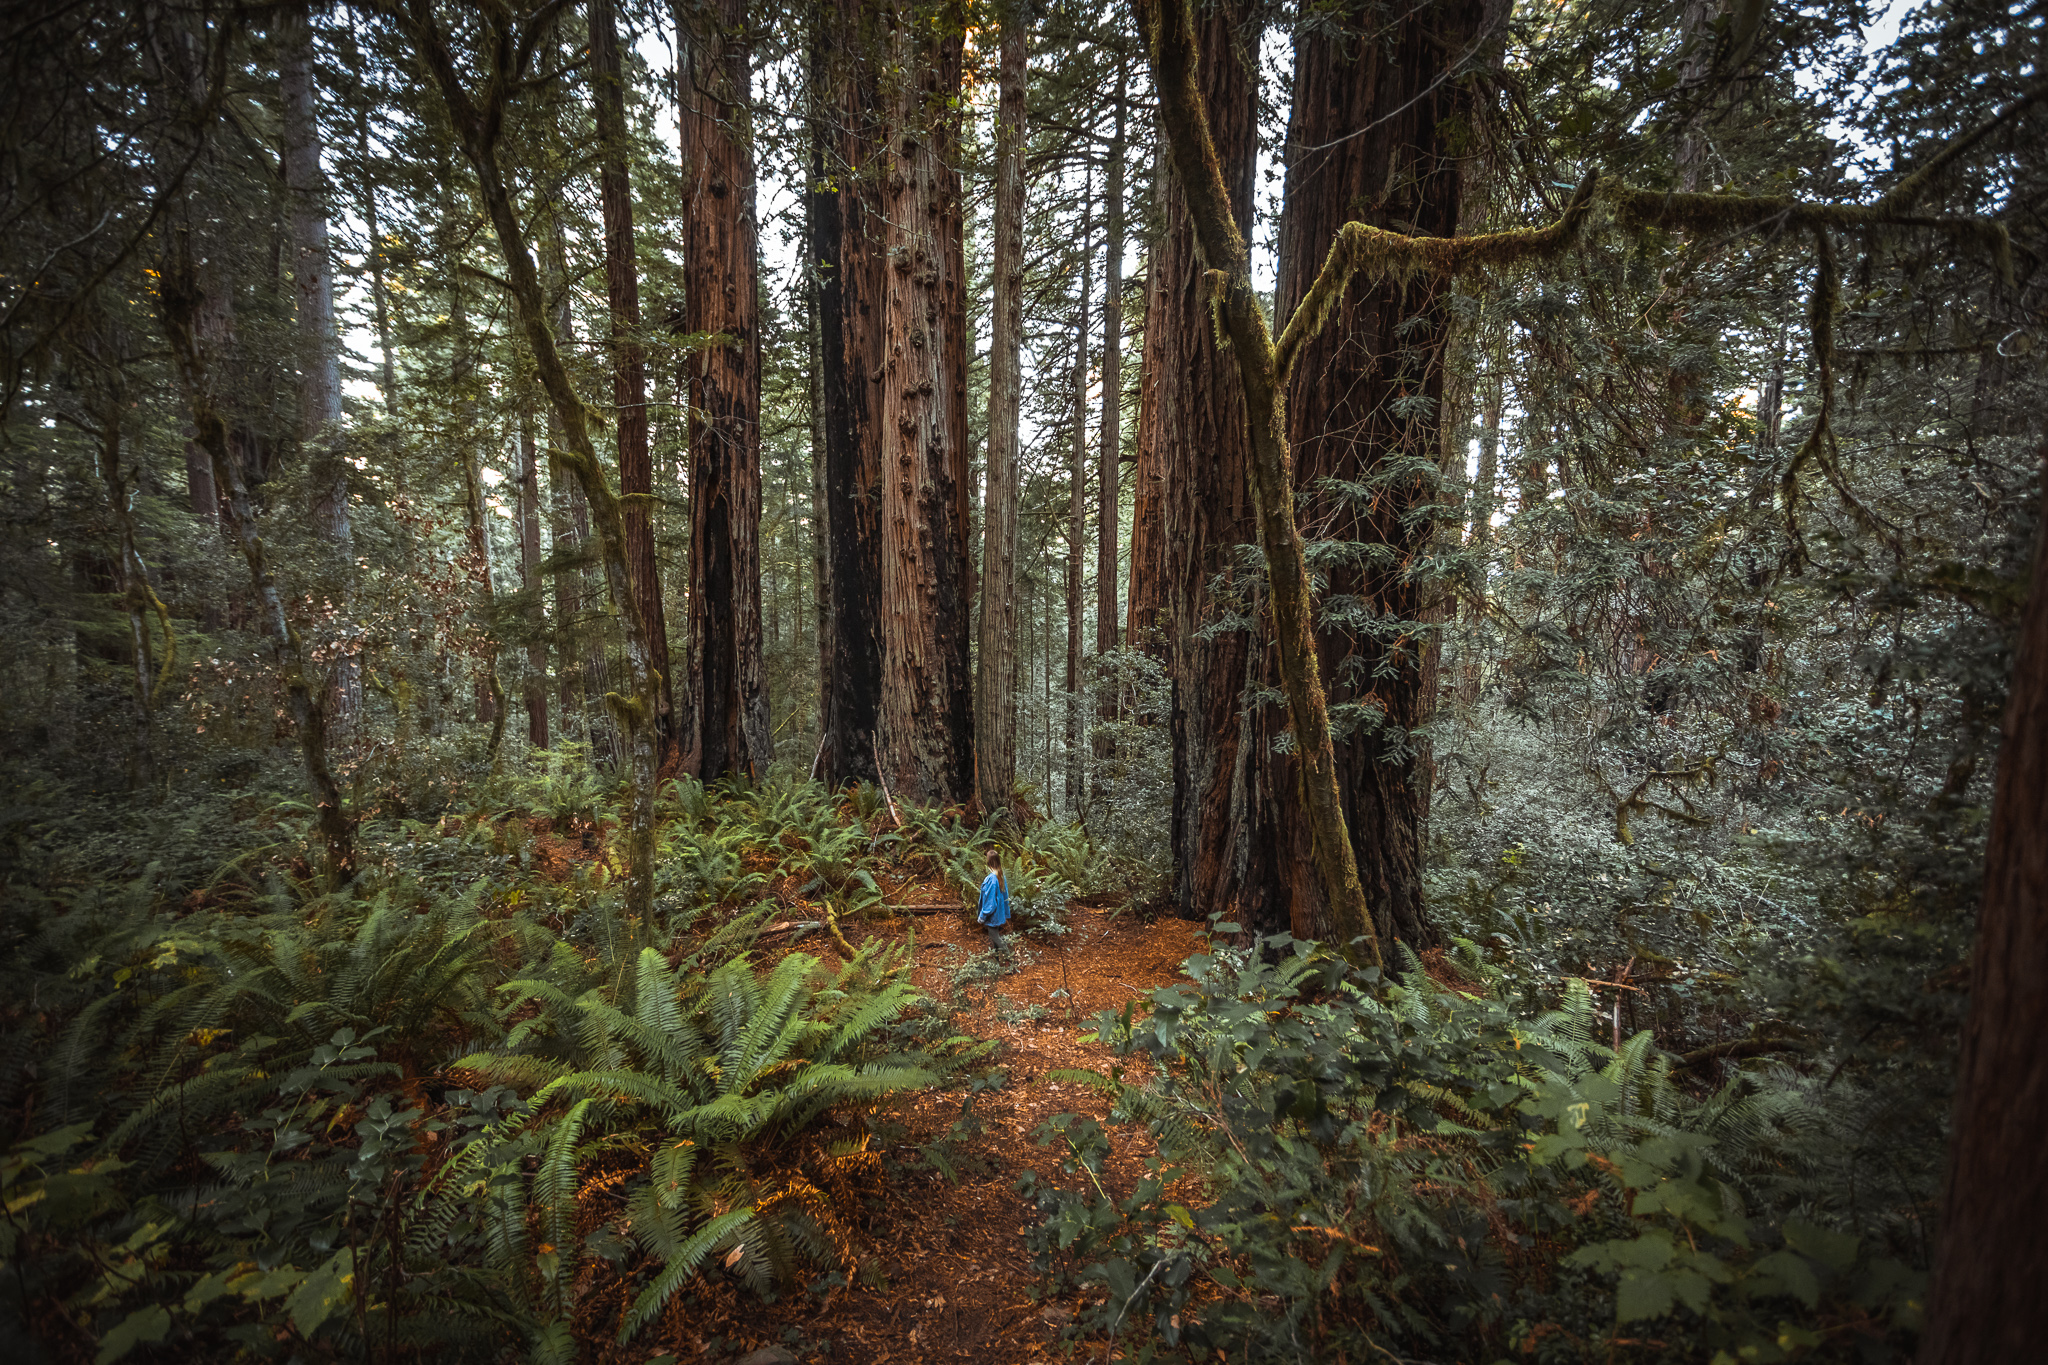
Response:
column 1401, row 1167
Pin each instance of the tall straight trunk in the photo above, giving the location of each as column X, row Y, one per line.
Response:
column 1077, row 515
column 629, row 360
column 1986, row 1304
column 319, row 343
column 821, row 536
column 1106, row 465
column 1145, row 624
column 1363, row 144
column 995, row 686
column 927, row 719
column 535, row 688
column 848, row 227
column 729, row 698
column 1193, row 440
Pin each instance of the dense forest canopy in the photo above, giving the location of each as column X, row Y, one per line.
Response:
column 539, row 537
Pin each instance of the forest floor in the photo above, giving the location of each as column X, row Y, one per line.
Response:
column 945, row 1270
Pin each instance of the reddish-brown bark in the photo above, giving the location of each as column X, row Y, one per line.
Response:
column 1193, row 457
column 926, row 722
column 729, row 700
column 1987, row 1305
column 629, row 361
column 1363, row 145
column 847, row 228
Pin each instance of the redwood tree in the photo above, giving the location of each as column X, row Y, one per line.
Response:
column 926, row 720
column 629, row 359
column 729, row 701
column 1364, row 143
column 995, row 692
column 846, row 226
column 1194, row 502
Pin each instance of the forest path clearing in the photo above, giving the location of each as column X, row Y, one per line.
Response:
column 953, row 1265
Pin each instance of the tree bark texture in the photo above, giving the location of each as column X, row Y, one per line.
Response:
column 927, row 720
column 847, row 247
column 1194, row 450
column 1108, row 462
column 629, row 360
column 1263, row 366
column 1145, row 625
column 1363, row 145
column 729, row 695
column 995, row 692
column 1077, row 520
column 1987, row 1305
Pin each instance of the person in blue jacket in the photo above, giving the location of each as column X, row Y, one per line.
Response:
column 995, row 904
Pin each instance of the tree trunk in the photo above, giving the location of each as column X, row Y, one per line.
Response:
column 927, row 720
column 319, row 351
column 729, row 729
column 821, row 535
column 847, row 245
column 995, row 692
column 535, row 687
column 1362, row 143
column 1194, row 448
column 1145, row 609
column 1987, row 1304
column 629, row 363
column 1106, row 465
column 1077, row 515
column 1263, row 368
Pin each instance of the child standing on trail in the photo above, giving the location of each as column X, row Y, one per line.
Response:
column 995, row 904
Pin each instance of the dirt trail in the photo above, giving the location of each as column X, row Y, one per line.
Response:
column 947, row 1265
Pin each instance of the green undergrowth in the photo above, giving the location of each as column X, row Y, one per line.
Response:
column 465, row 1107
column 1356, row 1168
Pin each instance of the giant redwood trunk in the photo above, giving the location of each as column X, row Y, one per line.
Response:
column 629, row 361
column 926, row 722
column 1192, row 440
column 1987, row 1305
column 995, row 689
column 1362, row 144
column 846, row 244
column 729, row 697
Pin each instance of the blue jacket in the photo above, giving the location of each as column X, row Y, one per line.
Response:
column 995, row 901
